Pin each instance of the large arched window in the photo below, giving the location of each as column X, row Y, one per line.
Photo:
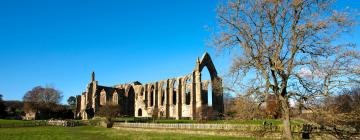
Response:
column 215, row 90
column 115, row 98
column 146, row 95
column 163, row 93
column 152, row 94
column 142, row 91
column 103, row 97
column 188, row 89
column 175, row 88
column 130, row 101
column 207, row 87
column 83, row 103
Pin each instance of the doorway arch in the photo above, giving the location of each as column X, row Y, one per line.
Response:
column 139, row 112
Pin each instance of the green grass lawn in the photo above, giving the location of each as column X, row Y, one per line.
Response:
column 94, row 133
column 3, row 121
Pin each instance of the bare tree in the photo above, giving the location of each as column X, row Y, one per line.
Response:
column 340, row 113
column 274, row 39
column 331, row 73
column 40, row 98
column 245, row 107
column 43, row 95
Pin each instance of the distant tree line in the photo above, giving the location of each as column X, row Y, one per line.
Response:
column 2, row 108
column 342, row 109
column 43, row 101
column 11, row 109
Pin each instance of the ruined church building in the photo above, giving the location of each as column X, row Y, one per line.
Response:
column 178, row 98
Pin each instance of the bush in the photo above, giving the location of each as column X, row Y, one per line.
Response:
column 108, row 111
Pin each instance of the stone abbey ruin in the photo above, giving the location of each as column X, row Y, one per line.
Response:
column 181, row 97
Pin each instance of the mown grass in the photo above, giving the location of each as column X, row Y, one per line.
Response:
column 95, row 133
column 3, row 121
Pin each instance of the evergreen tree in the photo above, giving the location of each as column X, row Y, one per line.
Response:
column 2, row 108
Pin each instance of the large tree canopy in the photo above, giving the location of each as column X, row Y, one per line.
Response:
column 275, row 39
column 43, row 95
column 72, row 102
column 41, row 98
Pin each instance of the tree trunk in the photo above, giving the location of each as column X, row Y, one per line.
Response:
column 286, row 118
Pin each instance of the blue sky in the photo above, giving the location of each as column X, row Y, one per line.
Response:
column 60, row 42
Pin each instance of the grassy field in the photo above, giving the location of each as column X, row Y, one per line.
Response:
column 2, row 121
column 247, row 122
column 94, row 133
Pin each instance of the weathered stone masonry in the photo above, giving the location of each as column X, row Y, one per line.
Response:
column 181, row 97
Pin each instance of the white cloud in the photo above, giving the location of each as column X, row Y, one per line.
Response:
column 307, row 73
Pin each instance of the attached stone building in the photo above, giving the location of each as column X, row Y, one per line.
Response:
column 181, row 97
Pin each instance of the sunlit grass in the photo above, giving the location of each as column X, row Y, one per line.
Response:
column 94, row 133
column 3, row 121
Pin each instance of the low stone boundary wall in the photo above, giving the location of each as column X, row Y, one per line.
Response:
column 43, row 123
column 63, row 123
column 27, row 124
column 57, row 122
column 238, row 127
